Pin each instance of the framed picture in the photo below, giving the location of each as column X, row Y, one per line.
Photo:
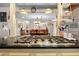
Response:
column 3, row 17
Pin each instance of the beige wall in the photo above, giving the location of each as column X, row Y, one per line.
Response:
column 4, row 9
column 76, row 12
column 11, row 23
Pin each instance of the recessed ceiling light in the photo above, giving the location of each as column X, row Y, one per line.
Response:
column 48, row 11
column 23, row 11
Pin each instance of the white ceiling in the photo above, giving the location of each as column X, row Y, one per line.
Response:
column 37, row 5
column 4, row 4
column 41, row 8
column 29, row 5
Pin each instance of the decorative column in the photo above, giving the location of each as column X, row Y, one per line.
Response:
column 59, row 17
column 12, row 20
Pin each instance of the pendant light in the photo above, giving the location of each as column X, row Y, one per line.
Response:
column 70, row 12
column 65, row 5
column 33, row 9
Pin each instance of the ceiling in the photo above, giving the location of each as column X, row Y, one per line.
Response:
column 4, row 4
column 41, row 8
column 29, row 5
column 37, row 5
column 74, row 5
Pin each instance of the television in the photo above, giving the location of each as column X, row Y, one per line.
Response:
column 3, row 17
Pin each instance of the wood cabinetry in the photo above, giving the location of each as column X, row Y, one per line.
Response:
column 34, row 32
column 39, row 32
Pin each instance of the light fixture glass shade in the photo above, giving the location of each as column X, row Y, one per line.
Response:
column 67, row 13
column 33, row 9
column 65, row 5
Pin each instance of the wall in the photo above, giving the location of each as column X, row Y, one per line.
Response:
column 7, row 9
column 76, row 12
column 31, row 25
column 4, row 9
column 76, row 18
column 41, row 16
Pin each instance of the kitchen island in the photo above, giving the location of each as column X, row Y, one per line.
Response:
column 38, row 41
